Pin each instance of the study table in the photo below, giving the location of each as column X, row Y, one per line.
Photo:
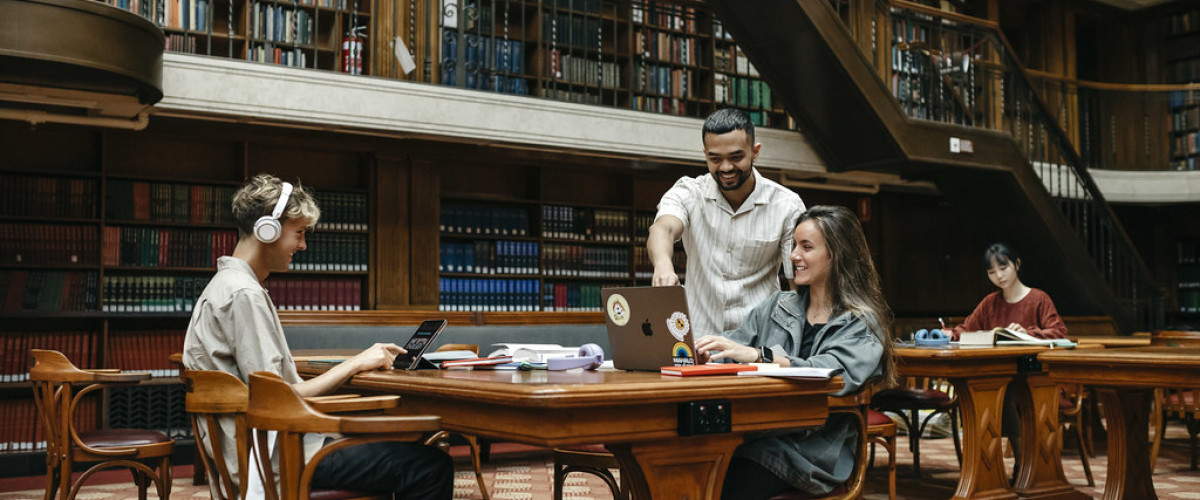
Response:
column 980, row 377
column 1125, row 380
column 635, row 414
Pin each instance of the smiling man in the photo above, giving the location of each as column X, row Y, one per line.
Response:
column 235, row 329
column 736, row 228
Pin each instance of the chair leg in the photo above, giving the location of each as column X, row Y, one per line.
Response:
column 1087, row 467
column 1193, row 428
column 164, row 476
column 891, row 448
column 954, row 434
column 1160, row 426
column 560, row 477
column 914, row 440
column 142, row 480
column 474, row 442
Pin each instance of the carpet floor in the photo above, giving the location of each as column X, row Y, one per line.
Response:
column 525, row 473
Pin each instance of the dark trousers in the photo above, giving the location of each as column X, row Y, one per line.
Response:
column 747, row 480
column 407, row 470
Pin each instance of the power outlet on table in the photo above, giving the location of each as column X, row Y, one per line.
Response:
column 705, row 417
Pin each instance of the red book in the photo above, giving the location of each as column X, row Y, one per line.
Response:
column 709, row 369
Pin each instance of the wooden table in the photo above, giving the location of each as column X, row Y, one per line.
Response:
column 1125, row 380
column 1111, row 341
column 635, row 414
column 980, row 377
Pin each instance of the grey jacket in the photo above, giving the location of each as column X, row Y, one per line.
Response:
column 813, row 460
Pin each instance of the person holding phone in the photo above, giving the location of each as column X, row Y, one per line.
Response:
column 235, row 328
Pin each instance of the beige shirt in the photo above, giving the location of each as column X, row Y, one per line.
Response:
column 733, row 256
column 235, row 329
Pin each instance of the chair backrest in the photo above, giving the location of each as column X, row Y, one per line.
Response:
column 275, row 406
column 854, row 406
column 1179, row 402
column 1175, row 338
column 213, row 396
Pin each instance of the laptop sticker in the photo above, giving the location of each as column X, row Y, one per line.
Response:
column 682, row 354
column 678, row 325
column 618, row 309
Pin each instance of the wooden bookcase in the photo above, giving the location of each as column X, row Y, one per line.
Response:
column 1187, row 309
column 1182, row 53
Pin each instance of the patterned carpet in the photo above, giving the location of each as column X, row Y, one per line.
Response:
column 529, row 475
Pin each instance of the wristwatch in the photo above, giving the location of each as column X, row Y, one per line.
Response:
column 765, row 355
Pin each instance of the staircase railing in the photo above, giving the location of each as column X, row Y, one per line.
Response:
column 954, row 69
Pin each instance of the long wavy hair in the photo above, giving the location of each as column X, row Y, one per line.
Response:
column 853, row 281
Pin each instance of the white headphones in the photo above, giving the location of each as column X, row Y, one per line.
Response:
column 267, row 228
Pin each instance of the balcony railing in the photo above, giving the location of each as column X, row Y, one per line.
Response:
column 946, row 67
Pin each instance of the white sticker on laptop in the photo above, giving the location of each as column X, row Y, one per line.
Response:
column 678, row 325
column 618, row 309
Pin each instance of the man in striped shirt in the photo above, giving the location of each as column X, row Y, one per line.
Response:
column 736, row 228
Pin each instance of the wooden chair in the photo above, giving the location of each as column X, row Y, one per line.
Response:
column 275, row 406
column 1177, row 402
column 881, row 430
column 921, row 393
column 589, row 459
column 471, row 439
column 1070, row 412
column 854, row 406
column 146, row 453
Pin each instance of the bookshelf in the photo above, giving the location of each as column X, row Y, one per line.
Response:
column 316, row 34
column 107, row 238
column 1183, row 66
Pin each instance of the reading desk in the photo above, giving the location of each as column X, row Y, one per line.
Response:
column 1125, row 380
column 636, row 414
column 980, row 376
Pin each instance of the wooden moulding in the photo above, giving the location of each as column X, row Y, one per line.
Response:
column 416, row 316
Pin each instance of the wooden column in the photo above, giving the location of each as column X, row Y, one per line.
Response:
column 425, row 207
column 392, row 232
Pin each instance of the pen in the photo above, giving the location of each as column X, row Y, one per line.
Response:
column 943, row 323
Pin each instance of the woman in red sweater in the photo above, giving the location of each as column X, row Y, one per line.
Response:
column 1015, row 306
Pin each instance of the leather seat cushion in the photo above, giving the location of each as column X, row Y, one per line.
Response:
column 1174, row 398
column 877, row 418
column 108, row 438
column 796, row 495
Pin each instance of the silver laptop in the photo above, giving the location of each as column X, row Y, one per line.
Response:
column 648, row 327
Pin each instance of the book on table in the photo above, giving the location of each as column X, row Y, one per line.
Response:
column 1004, row 336
column 706, row 369
column 797, row 372
column 488, row 361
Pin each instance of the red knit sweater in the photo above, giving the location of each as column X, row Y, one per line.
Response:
column 1035, row 312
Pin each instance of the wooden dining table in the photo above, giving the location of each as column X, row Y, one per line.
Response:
column 1125, row 380
column 637, row 415
column 980, row 376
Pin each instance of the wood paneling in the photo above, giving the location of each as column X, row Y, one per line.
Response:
column 392, row 216
column 425, row 206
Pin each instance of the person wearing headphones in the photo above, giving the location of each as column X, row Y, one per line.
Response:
column 235, row 328
column 836, row 318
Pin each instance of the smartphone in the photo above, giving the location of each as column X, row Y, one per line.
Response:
column 417, row 344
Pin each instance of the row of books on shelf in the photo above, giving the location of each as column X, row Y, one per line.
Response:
column 343, row 211
column 1185, row 119
column 181, row 42
column 47, row 244
column 731, row 59
column 908, row 30
column 1190, row 163
column 168, row 202
column 1186, row 144
column 315, row 294
column 48, row 291
column 576, row 223
column 589, row 6
column 583, row 70
column 572, row 297
column 665, row 81
column 484, row 52
column 566, row 29
column 1189, row 300
column 20, row 430
column 661, row 105
column 742, row 92
column 663, row 15
column 477, row 219
column 1183, row 98
column 166, row 247
column 460, row 294
column 664, row 46
column 719, row 32
column 269, row 53
column 489, row 257
column 145, row 294
column 281, row 23
column 1184, row 22
column 1184, row 71
column 59, row 197
column 333, row 252
column 189, row 15
column 145, row 351
column 587, row 262
column 79, row 346
column 644, row 269
column 641, row 226
column 553, row 90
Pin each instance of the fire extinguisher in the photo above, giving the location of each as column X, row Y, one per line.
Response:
column 352, row 47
